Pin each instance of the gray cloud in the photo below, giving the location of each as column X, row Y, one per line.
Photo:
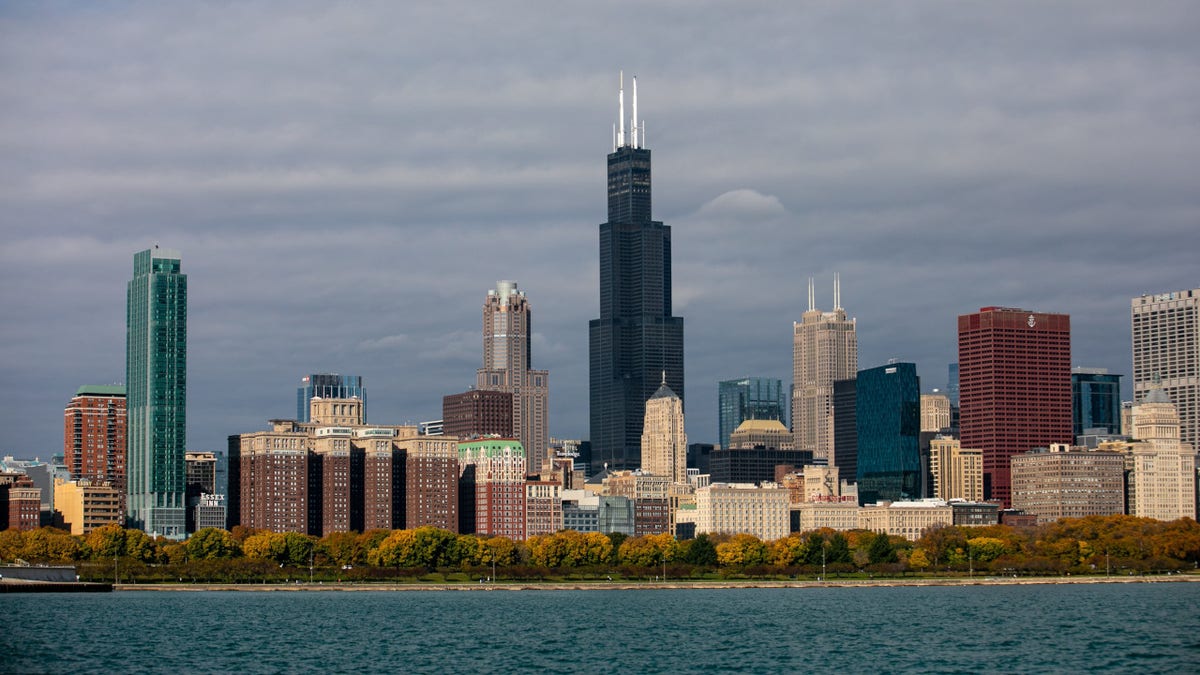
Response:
column 347, row 181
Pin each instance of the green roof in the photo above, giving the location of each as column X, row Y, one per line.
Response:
column 101, row 390
column 490, row 446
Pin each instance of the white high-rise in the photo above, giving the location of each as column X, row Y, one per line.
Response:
column 824, row 350
column 1166, row 354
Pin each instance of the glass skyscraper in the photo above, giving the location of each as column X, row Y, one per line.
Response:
column 1095, row 400
column 757, row 398
column 328, row 385
column 636, row 343
column 888, row 423
column 156, row 393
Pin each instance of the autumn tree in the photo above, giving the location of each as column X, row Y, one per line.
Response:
column 741, row 550
column 49, row 544
column 648, row 550
column 212, row 543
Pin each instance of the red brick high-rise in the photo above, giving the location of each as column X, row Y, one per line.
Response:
column 1014, row 387
column 94, row 436
column 478, row 412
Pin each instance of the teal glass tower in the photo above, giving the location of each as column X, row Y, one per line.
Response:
column 156, row 393
column 888, row 421
column 748, row 398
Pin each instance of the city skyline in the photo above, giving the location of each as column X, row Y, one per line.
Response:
column 938, row 175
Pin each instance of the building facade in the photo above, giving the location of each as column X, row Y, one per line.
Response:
column 1095, row 401
column 1166, row 354
column 737, row 508
column 888, row 415
column 492, row 474
column 94, row 436
column 935, row 412
column 1164, row 467
column 748, row 398
column 478, row 412
column 824, row 350
column 636, row 338
column 200, row 479
column 508, row 367
column 85, row 505
column 1061, row 482
column 20, row 501
column 328, row 385
column 1014, row 387
column 906, row 519
column 957, row 471
column 664, row 441
column 156, row 393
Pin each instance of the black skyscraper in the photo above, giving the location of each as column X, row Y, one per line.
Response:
column 635, row 340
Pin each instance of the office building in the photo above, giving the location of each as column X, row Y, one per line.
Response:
column 757, row 449
column 1095, row 401
column 888, row 414
column 1015, row 387
column 906, row 519
column 636, row 338
column 86, row 505
column 508, row 367
column 740, row 508
column 201, row 479
column 156, row 393
column 824, row 350
column 20, row 502
column 650, row 495
column 328, row 385
column 478, row 412
column 1166, row 354
column 1164, row 467
column 1064, row 482
column 957, row 471
column 664, row 441
column 935, row 412
column 845, row 430
column 94, row 438
column 748, row 398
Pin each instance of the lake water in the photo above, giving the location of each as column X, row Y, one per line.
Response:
column 1135, row 628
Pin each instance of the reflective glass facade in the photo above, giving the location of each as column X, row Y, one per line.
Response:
column 888, row 422
column 328, row 385
column 156, row 392
column 748, row 398
column 1095, row 401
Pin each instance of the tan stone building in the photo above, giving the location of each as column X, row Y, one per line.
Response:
column 835, row 515
column 1063, row 482
column 824, row 350
column 664, row 442
column 1164, row 468
column 737, row 508
column 85, row 505
column 508, row 367
column 752, row 434
column 957, row 472
column 905, row 519
column 543, row 506
column 935, row 412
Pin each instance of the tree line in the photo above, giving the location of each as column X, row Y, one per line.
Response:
column 1108, row 544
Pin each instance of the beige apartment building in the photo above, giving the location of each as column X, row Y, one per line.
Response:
column 824, row 350
column 835, row 515
column 664, row 442
column 736, row 508
column 85, row 505
column 1164, row 467
column 905, row 519
column 1065, row 482
column 957, row 472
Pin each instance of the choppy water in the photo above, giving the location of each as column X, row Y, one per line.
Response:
column 1140, row 628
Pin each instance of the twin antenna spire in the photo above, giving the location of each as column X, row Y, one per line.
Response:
column 637, row 131
column 837, row 293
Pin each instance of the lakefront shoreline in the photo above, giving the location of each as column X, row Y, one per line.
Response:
column 658, row 585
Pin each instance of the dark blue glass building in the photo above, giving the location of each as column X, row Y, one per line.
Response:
column 328, row 385
column 749, row 398
column 888, row 424
column 1095, row 400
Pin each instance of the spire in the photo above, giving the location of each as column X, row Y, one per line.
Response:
column 621, row 112
column 634, row 128
column 837, row 291
column 812, row 296
column 664, row 380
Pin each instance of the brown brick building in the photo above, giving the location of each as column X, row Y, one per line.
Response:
column 94, row 428
column 478, row 412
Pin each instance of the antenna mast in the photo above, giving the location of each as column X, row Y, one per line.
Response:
column 837, row 291
column 621, row 112
column 812, row 295
column 635, row 120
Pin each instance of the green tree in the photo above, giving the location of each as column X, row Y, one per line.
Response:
column 701, row 552
column 839, row 549
column 814, row 549
column 881, row 550
column 616, row 539
column 212, row 543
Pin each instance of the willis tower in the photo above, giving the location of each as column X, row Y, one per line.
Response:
column 636, row 342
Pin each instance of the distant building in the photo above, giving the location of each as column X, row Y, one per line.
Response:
column 723, row 508
column 935, row 412
column 94, row 440
column 753, row 465
column 85, row 505
column 824, row 350
column 1015, row 377
column 650, row 494
column 845, row 429
column 664, row 441
column 906, row 519
column 328, row 385
column 957, row 472
column 586, row 511
column 975, row 514
column 476, row 413
column 210, row 512
column 543, row 506
column 201, row 480
column 1062, row 482
column 888, row 414
column 748, row 398
column 1166, row 351
column 1095, row 401
column 156, row 393
column 836, row 515
column 20, row 501
column 1164, row 467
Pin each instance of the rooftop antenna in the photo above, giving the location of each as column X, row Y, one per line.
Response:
column 635, row 121
column 621, row 112
column 664, row 381
column 837, row 291
column 812, row 296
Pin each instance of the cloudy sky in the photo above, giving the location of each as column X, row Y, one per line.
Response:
column 346, row 181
